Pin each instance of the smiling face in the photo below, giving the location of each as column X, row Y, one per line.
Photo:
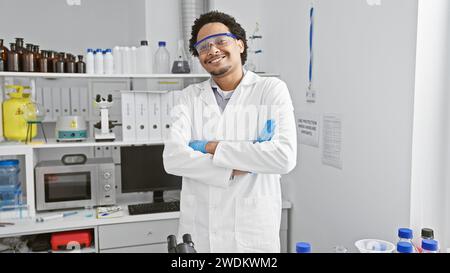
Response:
column 224, row 60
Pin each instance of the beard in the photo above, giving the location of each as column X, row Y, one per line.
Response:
column 221, row 71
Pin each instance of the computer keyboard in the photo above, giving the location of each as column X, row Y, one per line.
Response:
column 157, row 207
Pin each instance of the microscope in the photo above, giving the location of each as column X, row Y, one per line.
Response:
column 186, row 247
column 105, row 125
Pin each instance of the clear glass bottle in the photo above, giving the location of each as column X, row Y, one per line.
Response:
column 162, row 59
column 3, row 56
column 429, row 246
column 80, row 65
column 303, row 247
column 13, row 64
column 405, row 247
column 406, row 235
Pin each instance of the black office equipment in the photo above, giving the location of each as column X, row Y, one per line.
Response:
column 143, row 170
column 155, row 207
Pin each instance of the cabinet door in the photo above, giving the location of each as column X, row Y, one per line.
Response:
column 136, row 234
column 154, row 248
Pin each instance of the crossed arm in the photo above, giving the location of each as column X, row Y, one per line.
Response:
column 214, row 163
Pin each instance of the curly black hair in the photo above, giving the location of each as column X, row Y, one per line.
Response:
column 218, row 17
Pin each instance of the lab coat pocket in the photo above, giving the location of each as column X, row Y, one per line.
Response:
column 256, row 224
column 188, row 210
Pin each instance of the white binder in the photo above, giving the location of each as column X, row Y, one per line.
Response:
column 65, row 101
column 74, row 101
column 39, row 96
column 48, row 103
column 56, row 101
column 166, row 107
column 154, row 116
column 128, row 116
column 84, row 102
column 107, row 151
column 142, row 118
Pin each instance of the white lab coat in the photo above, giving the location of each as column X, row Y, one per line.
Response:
column 241, row 214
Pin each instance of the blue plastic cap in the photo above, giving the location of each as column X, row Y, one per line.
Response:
column 99, row 50
column 404, row 247
column 430, row 245
column 90, row 50
column 162, row 43
column 405, row 233
column 9, row 162
column 108, row 50
column 303, row 247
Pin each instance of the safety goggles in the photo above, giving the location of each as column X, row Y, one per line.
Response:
column 219, row 40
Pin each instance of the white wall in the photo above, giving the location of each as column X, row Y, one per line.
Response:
column 429, row 205
column 55, row 25
column 364, row 70
column 364, row 67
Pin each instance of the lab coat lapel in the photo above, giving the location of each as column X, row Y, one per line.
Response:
column 207, row 96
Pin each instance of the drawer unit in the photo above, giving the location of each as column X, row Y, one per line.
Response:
column 136, row 234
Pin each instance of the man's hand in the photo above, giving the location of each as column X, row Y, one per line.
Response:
column 211, row 147
column 267, row 132
column 204, row 146
column 238, row 173
column 199, row 145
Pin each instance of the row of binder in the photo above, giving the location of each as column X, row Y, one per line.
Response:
column 146, row 115
column 63, row 101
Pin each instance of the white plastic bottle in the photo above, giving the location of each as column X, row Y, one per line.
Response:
column 117, row 56
column 98, row 61
column 90, row 61
column 126, row 60
column 108, row 62
column 144, row 59
column 162, row 59
column 133, row 63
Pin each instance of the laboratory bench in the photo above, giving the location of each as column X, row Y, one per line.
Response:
column 146, row 233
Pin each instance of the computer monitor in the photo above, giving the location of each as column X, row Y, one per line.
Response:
column 143, row 170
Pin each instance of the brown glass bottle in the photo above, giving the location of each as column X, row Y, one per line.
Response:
column 80, row 65
column 28, row 59
column 37, row 56
column 20, row 50
column 13, row 59
column 43, row 62
column 69, row 64
column 52, row 59
column 60, row 62
column 3, row 56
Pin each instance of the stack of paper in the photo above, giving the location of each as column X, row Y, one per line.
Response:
column 109, row 212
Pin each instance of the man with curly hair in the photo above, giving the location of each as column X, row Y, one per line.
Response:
column 231, row 138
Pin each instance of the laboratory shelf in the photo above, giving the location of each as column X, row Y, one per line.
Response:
column 113, row 76
column 52, row 143
column 95, row 76
column 14, row 147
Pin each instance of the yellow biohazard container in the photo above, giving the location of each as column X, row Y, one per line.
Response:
column 14, row 123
